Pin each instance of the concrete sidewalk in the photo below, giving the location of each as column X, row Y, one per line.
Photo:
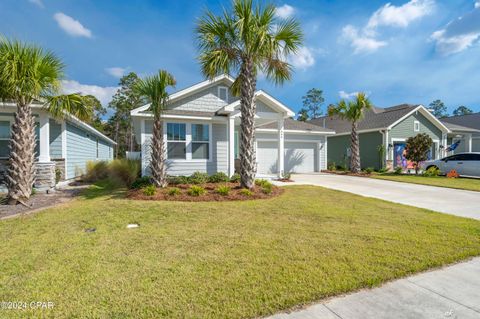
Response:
column 445, row 200
column 450, row 293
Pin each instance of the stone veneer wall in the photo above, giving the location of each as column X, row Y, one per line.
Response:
column 45, row 176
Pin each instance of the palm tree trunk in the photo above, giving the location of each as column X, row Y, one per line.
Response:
column 248, row 165
column 21, row 173
column 157, row 161
column 355, row 150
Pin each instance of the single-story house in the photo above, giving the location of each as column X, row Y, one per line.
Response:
column 63, row 146
column 382, row 134
column 202, row 133
column 465, row 129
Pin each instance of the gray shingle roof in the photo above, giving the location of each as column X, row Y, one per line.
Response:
column 291, row 124
column 459, row 128
column 469, row 120
column 376, row 118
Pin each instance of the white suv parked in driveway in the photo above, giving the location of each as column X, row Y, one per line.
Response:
column 466, row 164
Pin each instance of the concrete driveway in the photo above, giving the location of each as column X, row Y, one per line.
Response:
column 440, row 199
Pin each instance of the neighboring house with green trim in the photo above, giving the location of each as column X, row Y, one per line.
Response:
column 465, row 130
column 384, row 129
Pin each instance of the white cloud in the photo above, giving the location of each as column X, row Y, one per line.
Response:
column 454, row 44
column 303, row 58
column 477, row 4
column 459, row 34
column 103, row 94
column 284, row 11
column 364, row 40
column 38, row 3
column 71, row 26
column 401, row 16
column 116, row 71
column 346, row 95
column 361, row 43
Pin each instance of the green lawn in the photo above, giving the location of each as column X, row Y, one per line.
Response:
column 220, row 259
column 460, row 183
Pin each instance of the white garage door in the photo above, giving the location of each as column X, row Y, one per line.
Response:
column 300, row 157
column 267, row 154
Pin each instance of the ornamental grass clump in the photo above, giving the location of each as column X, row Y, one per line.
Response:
column 149, row 190
column 223, row 190
column 196, row 191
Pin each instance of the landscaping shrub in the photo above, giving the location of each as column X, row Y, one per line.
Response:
column 58, row 175
column 398, row 170
column 332, row 166
column 96, row 170
column 382, row 170
column 195, row 190
column 432, row 172
column 219, row 177
column 149, row 190
column 262, row 182
column 141, row 182
column 198, row 178
column 287, row 176
column 174, row 191
column 124, row 171
column 223, row 190
column 267, row 188
column 235, row 178
column 246, row 192
column 369, row 170
column 176, row 180
column 453, row 174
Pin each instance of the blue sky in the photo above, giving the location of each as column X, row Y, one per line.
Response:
column 398, row 52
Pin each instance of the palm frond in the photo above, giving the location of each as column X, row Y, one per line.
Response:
column 154, row 89
column 74, row 104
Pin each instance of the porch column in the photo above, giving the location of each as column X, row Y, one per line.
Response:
column 469, row 142
column 231, row 146
column 281, row 147
column 44, row 138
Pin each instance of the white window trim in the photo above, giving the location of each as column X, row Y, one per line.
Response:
column 10, row 121
column 188, row 141
column 226, row 92
column 416, row 126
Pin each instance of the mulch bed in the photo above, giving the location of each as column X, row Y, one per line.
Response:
column 361, row 174
column 211, row 194
column 39, row 202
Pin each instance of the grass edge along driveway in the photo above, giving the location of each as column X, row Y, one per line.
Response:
column 470, row 184
column 215, row 260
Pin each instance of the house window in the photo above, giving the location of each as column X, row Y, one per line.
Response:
column 416, row 126
column 4, row 139
column 200, row 141
column 223, row 93
column 176, row 141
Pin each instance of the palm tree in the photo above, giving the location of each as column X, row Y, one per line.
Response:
column 154, row 90
column 29, row 74
column 352, row 111
column 248, row 40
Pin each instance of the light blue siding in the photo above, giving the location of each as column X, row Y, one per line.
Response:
column 218, row 163
column 55, row 139
column 82, row 148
